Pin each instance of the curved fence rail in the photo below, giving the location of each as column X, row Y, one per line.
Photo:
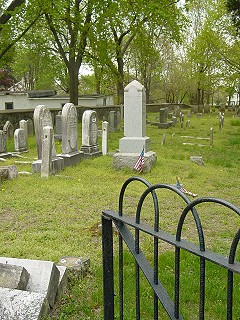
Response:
column 123, row 223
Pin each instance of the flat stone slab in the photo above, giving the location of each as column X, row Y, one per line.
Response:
column 57, row 165
column 13, row 277
column 128, row 160
column 22, row 305
column 44, row 276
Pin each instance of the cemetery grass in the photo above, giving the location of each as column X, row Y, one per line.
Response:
column 50, row 218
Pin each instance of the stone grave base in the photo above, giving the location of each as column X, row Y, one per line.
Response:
column 71, row 158
column 163, row 125
column 57, row 165
column 128, row 160
column 6, row 155
column 40, row 289
column 91, row 151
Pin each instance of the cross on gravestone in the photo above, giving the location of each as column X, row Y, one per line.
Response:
column 135, row 138
column 20, row 140
column 90, row 146
column 69, row 119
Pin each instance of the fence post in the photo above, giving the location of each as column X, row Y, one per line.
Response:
column 108, row 282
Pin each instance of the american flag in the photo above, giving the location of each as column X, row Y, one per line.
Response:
column 183, row 190
column 140, row 162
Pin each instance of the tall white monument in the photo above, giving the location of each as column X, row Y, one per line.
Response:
column 135, row 139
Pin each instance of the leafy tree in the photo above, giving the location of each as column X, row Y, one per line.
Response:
column 69, row 23
column 233, row 7
column 119, row 22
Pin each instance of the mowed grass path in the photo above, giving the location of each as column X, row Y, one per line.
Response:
column 59, row 216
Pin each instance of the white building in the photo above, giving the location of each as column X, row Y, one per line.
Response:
column 29, row 100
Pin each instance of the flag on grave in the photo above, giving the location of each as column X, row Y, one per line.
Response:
column 183, row 190
column 140, row 162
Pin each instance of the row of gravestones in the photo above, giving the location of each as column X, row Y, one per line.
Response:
column 20, row 136
column 49, row 162
column 66, row 130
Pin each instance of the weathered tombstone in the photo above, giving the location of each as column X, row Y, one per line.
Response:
column 30, row 127
column 221, row 120
column 187, row 123
column 181, row 119
column 194, row 109
column 3, row 142
column 163, row 118
column 42, row 118
column 135, row 138
column 8, row 129
column 163, row 139
column 90, row 145
column 177, row 111
column 207, row 108
column 24, row 125
column 105, row 131
column 20, row 140
column 70, row 153
column 58, row 126
column 112, row 121
column 46, row 165
column 200, row 108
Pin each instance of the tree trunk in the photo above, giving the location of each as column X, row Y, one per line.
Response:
column 73, row 83
column 120, row 86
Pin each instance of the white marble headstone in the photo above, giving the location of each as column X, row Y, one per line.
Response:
column 69, row 128
column 42, row 117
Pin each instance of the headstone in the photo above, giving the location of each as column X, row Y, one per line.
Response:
column 197, row 159
column 90, row 145
column 70, row 153
column 8, row 129
column 163, row 116
column 135, row 138
column 207, row 108
column 20, row 140
column 8, row 172
column 194, row 109
column 46, row 165
column 58, row 126
column 200, row 108
column 187, row 123
column 114, row 120
column 177, row 111
column 163, row 139
column 221, row 120
column 13, row 277
column 3, row 142
column 24, row 125
column 105, row 133
column 42, row 118
column 30, row 127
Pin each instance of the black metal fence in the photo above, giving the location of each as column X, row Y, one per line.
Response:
column 124, row 223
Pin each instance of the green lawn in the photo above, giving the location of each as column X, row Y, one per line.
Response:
column 59, row 216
